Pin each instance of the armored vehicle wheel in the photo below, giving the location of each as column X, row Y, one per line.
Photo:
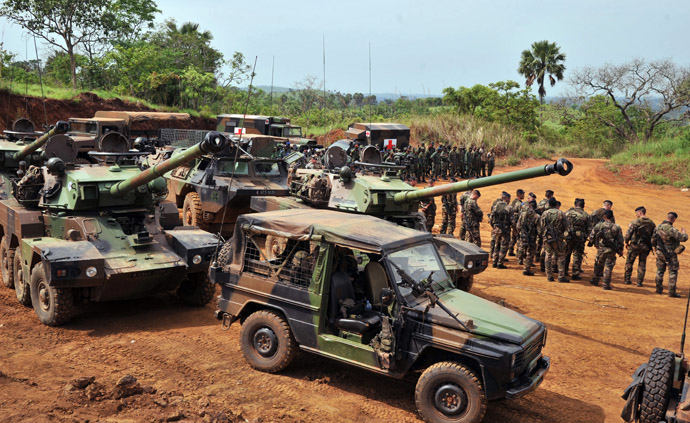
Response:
column 267, row 341
column 191, row 210
column 7, row 257
column 448, row 392
column 657, row 386
column 196, row 289
column 465, row 283
column 21, row 287
column 54, row 306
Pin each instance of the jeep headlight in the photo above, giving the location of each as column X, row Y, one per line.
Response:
column 91, row 271
column 470, row 264
column 196, row 259
column 513, row 358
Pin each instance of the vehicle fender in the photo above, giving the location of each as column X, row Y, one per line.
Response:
column 250, row 307
column 189, row 241
column 55, row 254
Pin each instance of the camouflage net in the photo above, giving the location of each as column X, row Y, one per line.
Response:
column 182, row 137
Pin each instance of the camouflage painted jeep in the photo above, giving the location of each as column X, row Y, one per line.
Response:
column 374, row 295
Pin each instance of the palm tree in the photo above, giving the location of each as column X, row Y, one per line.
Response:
column 544, row 58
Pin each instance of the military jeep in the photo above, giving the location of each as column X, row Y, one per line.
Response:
column 375, row 295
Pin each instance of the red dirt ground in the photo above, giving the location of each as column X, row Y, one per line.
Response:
column 596, row 340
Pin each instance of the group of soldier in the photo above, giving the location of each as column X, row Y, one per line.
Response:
column 542, row 232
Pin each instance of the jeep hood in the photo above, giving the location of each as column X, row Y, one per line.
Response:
column 488, row 318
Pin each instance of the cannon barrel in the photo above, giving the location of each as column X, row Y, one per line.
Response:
column 212, row 143
column 61, row 127
column 562, row 167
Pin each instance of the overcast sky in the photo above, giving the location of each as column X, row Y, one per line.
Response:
column 424, row 46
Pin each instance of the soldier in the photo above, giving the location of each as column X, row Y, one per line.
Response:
column 580, row 227
column 543, row 205
column 638, row 240
column 449, row 211
column 469, row 159
column 478, row 162
column 608, row 238
column 461, row 161
column 428, row 209
column 501, row 215
column 525, row 205
column 527, row 227
column 666, row 240
column 454, row 162
column 553, row 225
column 445, row 161
column 463, row 199
column 354, row 153
column 516, row 207
column 436, row 163
column 598, row 214
column 482, row 163
column 490, row 162
column 472, row 216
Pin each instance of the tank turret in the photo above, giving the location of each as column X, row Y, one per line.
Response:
column 61, row 127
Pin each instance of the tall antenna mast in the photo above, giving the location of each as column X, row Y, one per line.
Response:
column 370, row 86
column 273, row 67
column 40, row 80
column 324, row 70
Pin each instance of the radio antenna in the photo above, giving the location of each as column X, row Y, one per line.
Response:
column 40, row 80
column 324, row 70
column 273, row 67
column 369, row 89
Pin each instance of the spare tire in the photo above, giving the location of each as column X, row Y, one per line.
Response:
column 657, row 386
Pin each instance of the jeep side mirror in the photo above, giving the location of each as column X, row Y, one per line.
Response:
column 386, row 296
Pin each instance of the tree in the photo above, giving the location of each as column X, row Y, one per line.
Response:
column 646, row 94
column 70, row 25
column 543, row 59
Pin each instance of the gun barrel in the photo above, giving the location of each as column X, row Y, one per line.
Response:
column 212, row 143
column 61, row 127
column 562, row 167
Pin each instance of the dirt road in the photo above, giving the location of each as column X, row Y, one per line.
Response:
column 193, row 371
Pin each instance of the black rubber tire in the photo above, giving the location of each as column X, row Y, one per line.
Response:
column 21, row 287
column 282, row 349
column 225, row 254
column 57, row 306
column 450, row 377
column 6, row 263
column 197, row 289
column 191, row 210
column 465, row 283
column 657, row 386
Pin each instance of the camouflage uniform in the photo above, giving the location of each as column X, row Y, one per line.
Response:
column 454, row 162
column 477, row 163
column 469, row 159
column 667, row 240
column 472, row 216
column 580, row 227
column 638, row 238
column 436, row 163
column 490, row 163
column 598, row 216
column 527, row 228
column 428, row 209
column 608, row 238
column 461, row 161
column 463, row 199
column 542, row 206
column 501, row 215
column 553, row 225
column 516, row 208
column 449, row 203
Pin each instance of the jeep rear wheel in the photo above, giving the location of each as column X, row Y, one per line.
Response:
column 191, row 210
column 7, row 257
column 658, row 379
column 448, row 392
column 21, row 286
column 267, row 341
column 196, row 289
column 53, row 306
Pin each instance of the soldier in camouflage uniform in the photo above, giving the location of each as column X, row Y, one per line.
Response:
column 666, row 240
column 453, row 156
column 428, row 209
column 525, row 205
column 501, row 215
column 542, row 206
column 553, row 226
column 436, row 163
column 463, row 199
column 638, row 239
column 472, row 216
column 482, row 161
column 580, row 227
column 608, row 238
column 449, row 202
column 598, row 214
column 478, row 162
column 461, row 161
column 527, row 226
column 516, row 207
column 469, row 159
column 490, row 162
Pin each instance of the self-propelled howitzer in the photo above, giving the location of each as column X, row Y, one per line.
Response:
column 60, row 128
column 94, row 234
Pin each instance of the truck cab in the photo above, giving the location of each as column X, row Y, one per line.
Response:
column 374, row 295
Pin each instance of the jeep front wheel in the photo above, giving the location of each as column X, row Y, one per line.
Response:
column 267, row 341
column 191, row 210
column 658, row 379
column 448, row 392
column 53, row 306
column 7, row 257
column 196, row 289
column 21, row 286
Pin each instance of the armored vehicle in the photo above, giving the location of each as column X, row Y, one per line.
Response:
column 374, row 295
column 265, row 125
column 381, row 135
column 377, row 190
column 79, row 233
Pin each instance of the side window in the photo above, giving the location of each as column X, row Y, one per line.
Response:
column 290, row 262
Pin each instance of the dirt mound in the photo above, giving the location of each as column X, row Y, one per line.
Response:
column 330, row 137
column 84, row 105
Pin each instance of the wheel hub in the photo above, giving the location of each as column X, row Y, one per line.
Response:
column 265, row 342
column 450, row 399
column 44, row 296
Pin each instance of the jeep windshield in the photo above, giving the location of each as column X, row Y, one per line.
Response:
column 292, row 131
column 227, row 166
column 418, row 262
column 266, row 169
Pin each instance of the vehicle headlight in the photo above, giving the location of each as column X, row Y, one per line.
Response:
column 470, row 264
column 196, row 259
column 512, row 360
column 91, row 271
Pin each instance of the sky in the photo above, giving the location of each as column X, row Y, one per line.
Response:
column 423, row 46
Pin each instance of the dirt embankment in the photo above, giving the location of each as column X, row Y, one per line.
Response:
column 85, row 105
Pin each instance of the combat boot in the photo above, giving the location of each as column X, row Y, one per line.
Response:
column 528, row 273
column 511, row 253
column 627, row 282
column 674, row 295
column 563, row 280
column 639, row 284
column 550, row 278
column 594, row 281
column 576, row 277
column 607, row 287
column 501, row 266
